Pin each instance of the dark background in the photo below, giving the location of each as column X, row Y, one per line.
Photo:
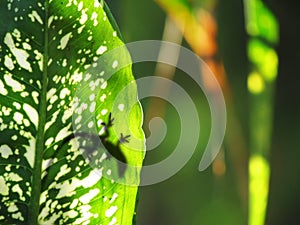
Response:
column 194, row 198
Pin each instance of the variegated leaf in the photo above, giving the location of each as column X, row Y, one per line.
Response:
column 49, row 54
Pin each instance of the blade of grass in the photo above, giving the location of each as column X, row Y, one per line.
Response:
column 262, row 29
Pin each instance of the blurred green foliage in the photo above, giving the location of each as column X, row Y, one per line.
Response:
column 206, row 198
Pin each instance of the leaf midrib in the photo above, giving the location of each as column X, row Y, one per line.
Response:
column 34, row 204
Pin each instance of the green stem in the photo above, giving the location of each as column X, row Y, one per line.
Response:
column 261, row 80
column 34, row 204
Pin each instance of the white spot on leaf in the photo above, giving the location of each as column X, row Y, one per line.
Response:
column 3, row 91
column 77, row 76
column 14, row 138
column 97, row 3
column 12, row 207
column 80, row 6
column 80, row 29
column 91, row 124
column 115, row 64
column 85, row 199
column 104, row 85
column 83, row 18
column 93, row 107
column 17, row 216
column 74, row 203
column 35, row 16
column 101, row 50
column 15, row 85
column 32, row 114
column 3, row 187
column 18, row 117
column 63, row 133
column 17, row 189
column 24, row 94
column 50, row 20
column 104, row 111
column 67, row 114
column 67, row 188
column 64, row 41
column 92, row 97
column 20, row 54
column 113, row 221
column 121, row 107
column 49, row 141
column 113, row 198
column 35, row 96
column 40, row 58
column 8, row 62
column 26, row 46
column 64, row 92
column 50, row 93
column 70, row 214
column 5, row 151
column 63, row 171
column 94, row 18
column 30, row 151
column 52, row 121
column 14, row 177
column 111, row 211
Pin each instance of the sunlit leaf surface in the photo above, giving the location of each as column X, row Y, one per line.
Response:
column 47, row 49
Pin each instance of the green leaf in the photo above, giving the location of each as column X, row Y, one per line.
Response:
column 56, row 82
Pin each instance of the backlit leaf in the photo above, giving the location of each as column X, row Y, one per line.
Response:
column 49, row 54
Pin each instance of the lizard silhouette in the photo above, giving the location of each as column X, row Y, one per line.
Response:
column 113, row 149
